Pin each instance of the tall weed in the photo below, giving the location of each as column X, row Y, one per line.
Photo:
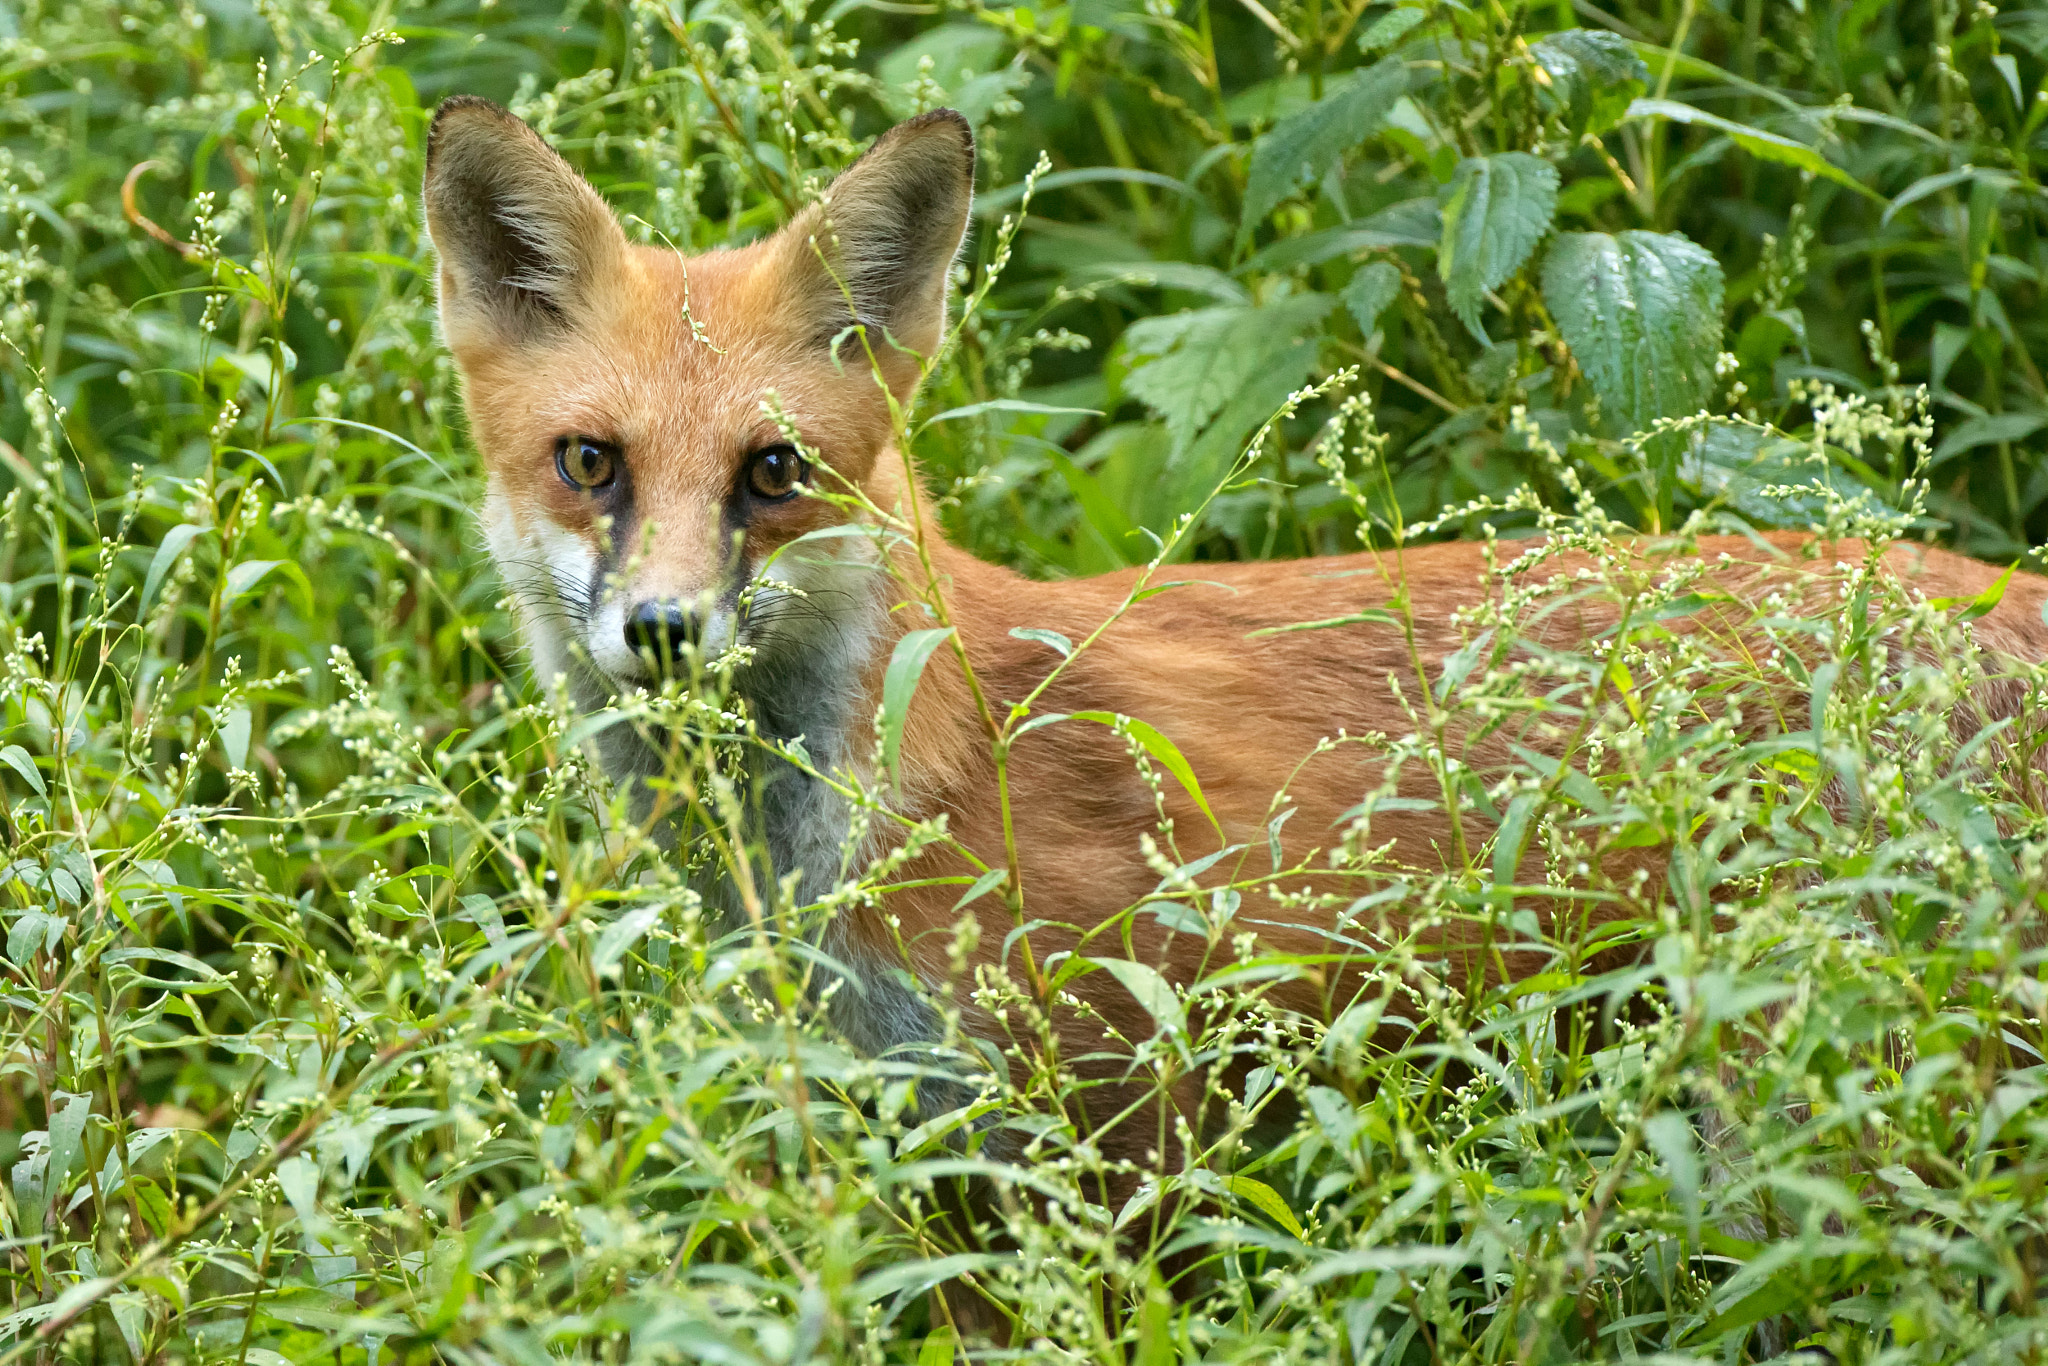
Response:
column 349, row 1014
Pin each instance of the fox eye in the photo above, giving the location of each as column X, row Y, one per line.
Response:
column 585, row 464
column 775, row 472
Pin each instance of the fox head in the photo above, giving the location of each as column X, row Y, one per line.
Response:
column 635, row 483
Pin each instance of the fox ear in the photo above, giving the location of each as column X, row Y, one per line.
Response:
column 877, row 249
column 522, row 238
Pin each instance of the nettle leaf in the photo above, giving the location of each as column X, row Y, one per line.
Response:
column 1496, row 209
column 1376, row 285
column 1189, row 365
column 1389, row 29
column 1308, row 144
column 1641, row 312
column 1594, row 75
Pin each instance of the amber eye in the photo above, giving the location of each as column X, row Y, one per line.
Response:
column 586, row 464
column 775, row 472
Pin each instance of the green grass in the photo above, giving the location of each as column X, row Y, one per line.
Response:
column 346, row 1018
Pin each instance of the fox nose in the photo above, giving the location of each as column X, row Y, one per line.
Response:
column 661, row 629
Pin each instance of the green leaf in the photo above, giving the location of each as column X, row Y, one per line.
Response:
column 1411, row 223
column 1641, row 312
column 1372, row 288
column 1182, row 275
column 1670, row 1136
column 246, row 576
column 982, row 886
column 937, row 1348
column 995, row 201
column 1266, row 1200
column 167, row 553
column 1007, row 405
column 1594, row 75
column 1150, row 990
column 621, row 935
column 234, row 737
column 1044, row 637
column 1389, row 29
column 1989, row 430
column 1513, row 839
column 22, row 762
column 1755, row 141
column 68, row 1113
column 1162, row 749
column 1982, row 605
column 1496, row 209
column 1101, row 511
column 35, row 932
column 1309, row 144
column 1187, row 366
column 899, row 684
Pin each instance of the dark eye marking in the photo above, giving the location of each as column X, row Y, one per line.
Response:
column 773, row 472
column 585, row 463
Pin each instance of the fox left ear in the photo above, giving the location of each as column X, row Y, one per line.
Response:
column 877, row 249
column 526, row 245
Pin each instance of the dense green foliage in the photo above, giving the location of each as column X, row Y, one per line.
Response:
column 344, row 1017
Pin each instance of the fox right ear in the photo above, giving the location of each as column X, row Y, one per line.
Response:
column 878, row 247
column 523, row 239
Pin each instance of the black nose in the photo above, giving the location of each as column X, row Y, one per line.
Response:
column 661, row 629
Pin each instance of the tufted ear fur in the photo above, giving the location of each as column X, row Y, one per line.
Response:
column 524, row 240
column 878, row 247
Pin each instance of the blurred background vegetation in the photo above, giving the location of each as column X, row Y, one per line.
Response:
column 334, row 1028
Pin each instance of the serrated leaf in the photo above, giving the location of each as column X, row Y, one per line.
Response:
column 1372, row 288
column 1594, row 75
column 1496, row 209
column 1769, row 479
column 167, row 552
column 899, row 684
column 1755, row 141
column 1641, row 312
column 1190, row 365
column 1389, row 29
column 1308, row 144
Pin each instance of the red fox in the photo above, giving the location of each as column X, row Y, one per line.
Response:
column 637, row 488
